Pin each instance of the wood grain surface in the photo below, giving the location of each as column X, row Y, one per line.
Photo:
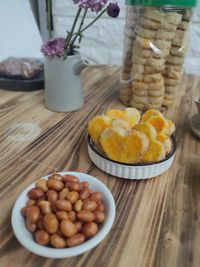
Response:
column 157, row 221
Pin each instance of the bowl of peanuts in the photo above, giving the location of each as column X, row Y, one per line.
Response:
column 63, row 214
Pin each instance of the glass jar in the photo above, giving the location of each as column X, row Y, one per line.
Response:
column 155, row 45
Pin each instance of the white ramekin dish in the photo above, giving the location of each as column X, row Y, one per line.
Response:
column 130, row 171
column 26, row 238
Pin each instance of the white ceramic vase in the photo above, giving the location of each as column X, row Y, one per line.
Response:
column 63, row 84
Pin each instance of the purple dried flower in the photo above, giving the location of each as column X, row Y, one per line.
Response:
column 54, row 47
column 113, row 10
column 94, row 5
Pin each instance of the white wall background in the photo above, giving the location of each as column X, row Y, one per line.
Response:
column 19, row 33
column 103, row 42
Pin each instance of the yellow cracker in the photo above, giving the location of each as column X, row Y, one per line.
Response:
column 183, row 25
column 148, row 69
column 140, row 92
column 155, row 99
column 165, row 25
column 172, row 73
column 139, row 99
column 149, row 24
column 178, row 42
column 149, row 78
column 145, row 33
column 163, row 45
column 173, row 18
column 171, row 82
column 174, row 67
column 178, row 51
column 171, row 89
column 153, row 14
column 139, row 106
column 159, row 92
column 180, row 34
column 175, row 60
column 164, row 35
column 148, row 86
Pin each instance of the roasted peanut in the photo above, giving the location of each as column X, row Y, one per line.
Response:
column 96, row 196
column 52, row 196
column 55, row 184
column 32, row 227
column 30, row 202
column 89, row 229
column 63, row 193
column 85, row 216
column 62, row 215
column 99, row 216
column 50, row 223
column 33, row 214
column 57, row 241
column 101, row 207
column 75, row 240
column 69, row 178
column 85, row 184
column 63, row 204
column 42, row 237
column 72, row 196
column 42, row 184
column 35, row 193
column 78, row 205
column 40, row 223
column 72, row 216
column 74, row 186
column 23, row 211
column 56, row 176
column 68, row 228
column 78, row 225
column 45, row 207
column 90, row 205
column 84, row 193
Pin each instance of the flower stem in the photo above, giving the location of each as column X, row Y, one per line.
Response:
column 92, row 22
column 70, row 34
column 49, row 12
column 79, row 29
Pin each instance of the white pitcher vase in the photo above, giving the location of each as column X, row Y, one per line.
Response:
column 63, row 84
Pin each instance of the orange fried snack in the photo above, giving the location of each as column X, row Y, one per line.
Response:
column 120, row 123
column 149, row 113
column 97, row 125
column 158, row 122
column 115, row 113
column 147, row 129
column 155, row 152
column 165, row 141
column 132, row 116
column 124, row 146
column 170, row 128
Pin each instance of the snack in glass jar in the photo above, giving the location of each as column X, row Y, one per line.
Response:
column 155, row 46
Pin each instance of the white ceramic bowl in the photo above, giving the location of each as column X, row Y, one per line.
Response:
column 130, row 171
column 26, row 238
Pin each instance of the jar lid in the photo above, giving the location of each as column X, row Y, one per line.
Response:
column 161, row 3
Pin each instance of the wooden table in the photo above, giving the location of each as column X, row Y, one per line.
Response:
column 157, row 221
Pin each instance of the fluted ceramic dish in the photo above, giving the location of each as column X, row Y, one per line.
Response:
column 130, row 171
